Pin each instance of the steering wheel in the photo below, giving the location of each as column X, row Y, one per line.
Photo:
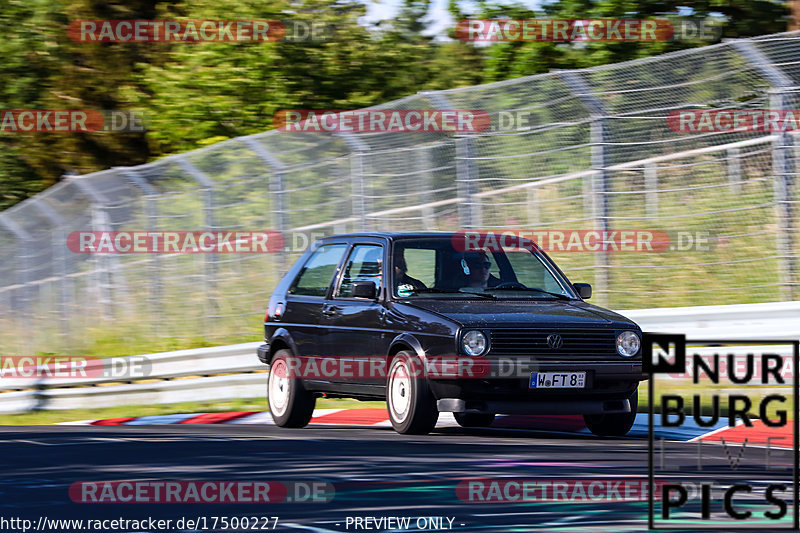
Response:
column 510, row 284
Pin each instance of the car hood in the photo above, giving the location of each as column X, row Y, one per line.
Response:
column 523, row 313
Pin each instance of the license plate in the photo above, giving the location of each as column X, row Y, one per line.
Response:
column 558, row 380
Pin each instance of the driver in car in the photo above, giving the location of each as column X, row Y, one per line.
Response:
column 403, row 283
column 477, row 271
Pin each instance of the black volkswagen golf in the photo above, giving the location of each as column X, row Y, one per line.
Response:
column 432, row 325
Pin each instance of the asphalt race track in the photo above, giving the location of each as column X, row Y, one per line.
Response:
column 375, row 472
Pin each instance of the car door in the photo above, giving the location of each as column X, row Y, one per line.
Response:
column 357, row 336
column 306, row 297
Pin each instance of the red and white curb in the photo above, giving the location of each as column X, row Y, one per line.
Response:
column 758, row 434
column 371, row 417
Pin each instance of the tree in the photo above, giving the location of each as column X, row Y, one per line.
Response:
column 739, row 18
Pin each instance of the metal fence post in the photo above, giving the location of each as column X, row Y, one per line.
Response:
column 276, row 190
column 783, row 169
column 734, row 168
column 470, row 213
column 20, row 304
column 151, row 214
column 534, row 209
column 111, row 279
column 101, row 277
column 651, row 190
column 59, row 266
column 600, row 181
column 344, row 211
column 207, row 192
column 359, row 192
column 358, row 149
column 425, row 165
column 782, row 164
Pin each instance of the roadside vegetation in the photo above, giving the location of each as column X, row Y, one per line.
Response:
column 194, row 95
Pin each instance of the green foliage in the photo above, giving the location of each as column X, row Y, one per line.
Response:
column 739, row 18
column 196, row 94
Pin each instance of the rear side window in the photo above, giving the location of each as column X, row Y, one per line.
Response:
column 365, row 264
column 316, row 276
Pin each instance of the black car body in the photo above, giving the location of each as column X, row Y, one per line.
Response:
column 339, row 304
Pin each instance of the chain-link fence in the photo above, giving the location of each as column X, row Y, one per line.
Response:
column 597, row 154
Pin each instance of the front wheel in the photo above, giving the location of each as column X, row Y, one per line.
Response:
column 290, row 404
column 614, row 425
column 412, row 408
column 474, row 420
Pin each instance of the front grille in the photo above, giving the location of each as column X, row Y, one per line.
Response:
column 577, row 344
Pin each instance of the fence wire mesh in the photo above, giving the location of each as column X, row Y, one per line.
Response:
column 597, row 153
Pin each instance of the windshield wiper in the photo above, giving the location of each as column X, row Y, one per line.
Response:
column 454, row 291
column 530, row 289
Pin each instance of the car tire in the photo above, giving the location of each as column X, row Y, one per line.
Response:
column 409, row 400
column 474, row 420
column 290, row 404
column 614, row 425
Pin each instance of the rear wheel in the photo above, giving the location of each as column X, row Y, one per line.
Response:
column 614, row 425
column 290, row 404
column 474, row 420
column 412, row 408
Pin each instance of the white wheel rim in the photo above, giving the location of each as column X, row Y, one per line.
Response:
column 399, row 392
column 278, row 390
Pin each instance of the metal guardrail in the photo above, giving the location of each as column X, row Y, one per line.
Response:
column 230, row 372
column 198, row 362
column 201, row 374
column 777, row 320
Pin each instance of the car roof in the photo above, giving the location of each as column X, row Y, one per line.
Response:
column 391, row 235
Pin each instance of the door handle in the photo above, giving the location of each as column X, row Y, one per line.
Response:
column 330, row 311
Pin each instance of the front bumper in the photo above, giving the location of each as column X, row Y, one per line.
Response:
column 607, row 384
column 562, row 407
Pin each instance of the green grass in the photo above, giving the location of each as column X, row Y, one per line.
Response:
column 72, row 415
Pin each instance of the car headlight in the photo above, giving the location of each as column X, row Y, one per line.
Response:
column 628, row 344
column 474, row 343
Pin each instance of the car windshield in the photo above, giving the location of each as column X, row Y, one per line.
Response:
column 443, row 268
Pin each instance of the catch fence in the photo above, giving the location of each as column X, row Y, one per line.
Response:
column 597, row 153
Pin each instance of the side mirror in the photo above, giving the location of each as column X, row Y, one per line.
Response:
column 365, row 289
column 584, row 290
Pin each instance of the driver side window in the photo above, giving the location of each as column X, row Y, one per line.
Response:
column 364, row 264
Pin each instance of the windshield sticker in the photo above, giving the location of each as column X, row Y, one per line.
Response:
column 405, row 290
